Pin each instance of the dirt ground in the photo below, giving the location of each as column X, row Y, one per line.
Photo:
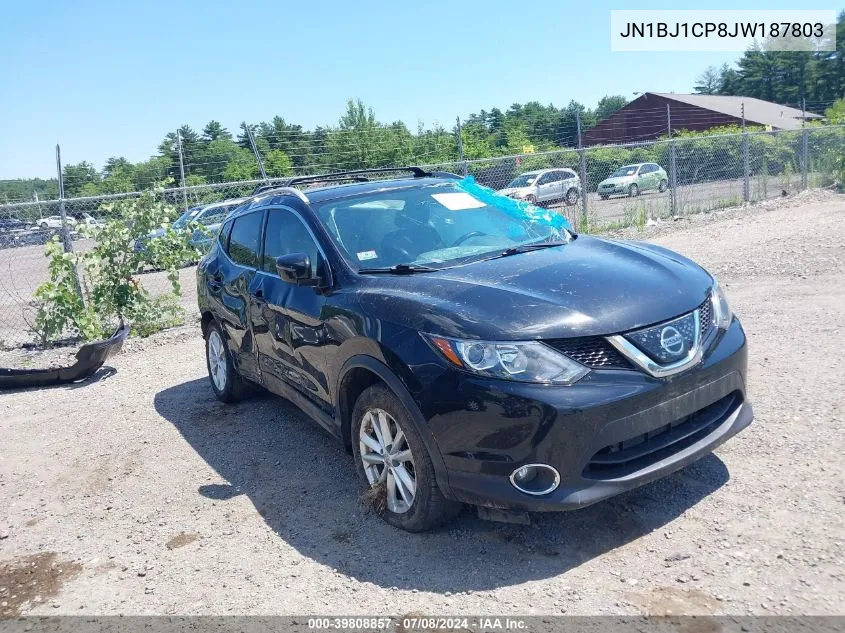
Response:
column 137, row 493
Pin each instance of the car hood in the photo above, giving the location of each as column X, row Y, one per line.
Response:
column 588, row 287
column 621, row 180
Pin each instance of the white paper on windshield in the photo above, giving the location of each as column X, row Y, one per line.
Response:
column 365, row 255
column 457, row 201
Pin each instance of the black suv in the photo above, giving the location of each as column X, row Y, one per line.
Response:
column 468, row 347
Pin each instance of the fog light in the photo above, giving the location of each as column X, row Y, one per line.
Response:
column 535, row 479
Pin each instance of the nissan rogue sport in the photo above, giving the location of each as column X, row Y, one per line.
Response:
column 469, row 348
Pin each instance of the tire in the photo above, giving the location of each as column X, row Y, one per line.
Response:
column 571, row 198
column 428, row 507
column 225, row 381
column 531, row 199
column 44, row 226
column 664, row 184
column 603, row 196
column 633, row 191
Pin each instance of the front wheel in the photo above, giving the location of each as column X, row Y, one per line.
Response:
column 226, row 383
column 392, row 460
column 633, row 191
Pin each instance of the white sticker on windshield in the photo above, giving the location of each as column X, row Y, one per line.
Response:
column 457, row 201
column 365, row 255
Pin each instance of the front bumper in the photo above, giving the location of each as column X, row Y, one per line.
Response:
column 610, row 190
column 612, row 431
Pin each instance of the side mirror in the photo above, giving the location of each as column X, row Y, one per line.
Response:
column 296, row 269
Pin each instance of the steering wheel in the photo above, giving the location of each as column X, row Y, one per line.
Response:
column 463, row 238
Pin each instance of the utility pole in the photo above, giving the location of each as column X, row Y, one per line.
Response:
column 582, row 162
column 461, row 147
column 746, row 171
column 181, row 168
column 255, row 151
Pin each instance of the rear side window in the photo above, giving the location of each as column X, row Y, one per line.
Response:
column 244, row 239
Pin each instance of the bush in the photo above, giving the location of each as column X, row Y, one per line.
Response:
column 89, row 292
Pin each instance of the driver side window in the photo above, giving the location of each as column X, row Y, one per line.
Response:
column 286, row 234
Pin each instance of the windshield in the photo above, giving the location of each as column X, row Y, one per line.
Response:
column 214, row 214
column 628, row 170
column 525, row 180
column 186, row 217
column 437, row 225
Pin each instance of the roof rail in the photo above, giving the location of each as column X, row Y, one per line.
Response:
column 355, row 175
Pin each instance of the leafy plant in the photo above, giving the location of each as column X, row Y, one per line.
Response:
column 89, row 291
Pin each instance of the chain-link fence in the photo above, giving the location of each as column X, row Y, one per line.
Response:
column 593, row 187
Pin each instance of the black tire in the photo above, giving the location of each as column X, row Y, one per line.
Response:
column 429, row 507
column 571, row 197
column 633, row 191
column 664, row 184
column 532, row 199
column 603, row 196
column 44, row 226
column 234, row 387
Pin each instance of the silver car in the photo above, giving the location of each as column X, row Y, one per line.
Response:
column 545, row 186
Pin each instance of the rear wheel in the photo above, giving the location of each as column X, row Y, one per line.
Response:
column 392, row 460
column 603, row 196
column 664, row 184
column 633, row 191
column 226, row 383
column 571, row 197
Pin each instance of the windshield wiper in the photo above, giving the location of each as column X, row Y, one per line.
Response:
column 525, row 248
column 399, row 269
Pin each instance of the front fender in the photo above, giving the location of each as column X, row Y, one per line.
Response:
column 386, row 375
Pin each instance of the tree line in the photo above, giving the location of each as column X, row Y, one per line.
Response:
column 785, row 77
column 359, row 140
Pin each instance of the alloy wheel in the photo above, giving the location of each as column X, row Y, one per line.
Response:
column 217, row 360
column 387, row 459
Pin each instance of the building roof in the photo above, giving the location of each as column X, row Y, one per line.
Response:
column 756, row 110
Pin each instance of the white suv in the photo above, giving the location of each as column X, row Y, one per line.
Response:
column 544, row 186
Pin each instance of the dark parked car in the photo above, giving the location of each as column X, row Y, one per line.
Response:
column 12, row 224
column 470, row 348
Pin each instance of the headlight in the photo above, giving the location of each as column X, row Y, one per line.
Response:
column 722, row 314
column 521, row 361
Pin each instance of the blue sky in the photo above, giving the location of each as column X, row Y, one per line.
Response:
column 106, row 79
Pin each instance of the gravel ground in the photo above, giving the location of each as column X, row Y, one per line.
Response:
column 137, row 493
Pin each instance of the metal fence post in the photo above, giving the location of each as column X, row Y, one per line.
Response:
column 461, row 157
column 181, row 168
column 255, row 151
column 805, row 147
column 582, row 168
column 67, row 242
column 805, row 158
column 673, row 166
column 746, row 171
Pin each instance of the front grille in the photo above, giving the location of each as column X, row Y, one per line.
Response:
column 591, row 351
column 636, row 453
column 706, row 317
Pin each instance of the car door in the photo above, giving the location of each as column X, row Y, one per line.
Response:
column 545, row 186
column 231, row 280
column 288, row 319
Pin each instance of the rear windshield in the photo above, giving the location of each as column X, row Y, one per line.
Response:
column 437, row 225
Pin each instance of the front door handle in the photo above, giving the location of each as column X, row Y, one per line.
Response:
column 258, row 294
